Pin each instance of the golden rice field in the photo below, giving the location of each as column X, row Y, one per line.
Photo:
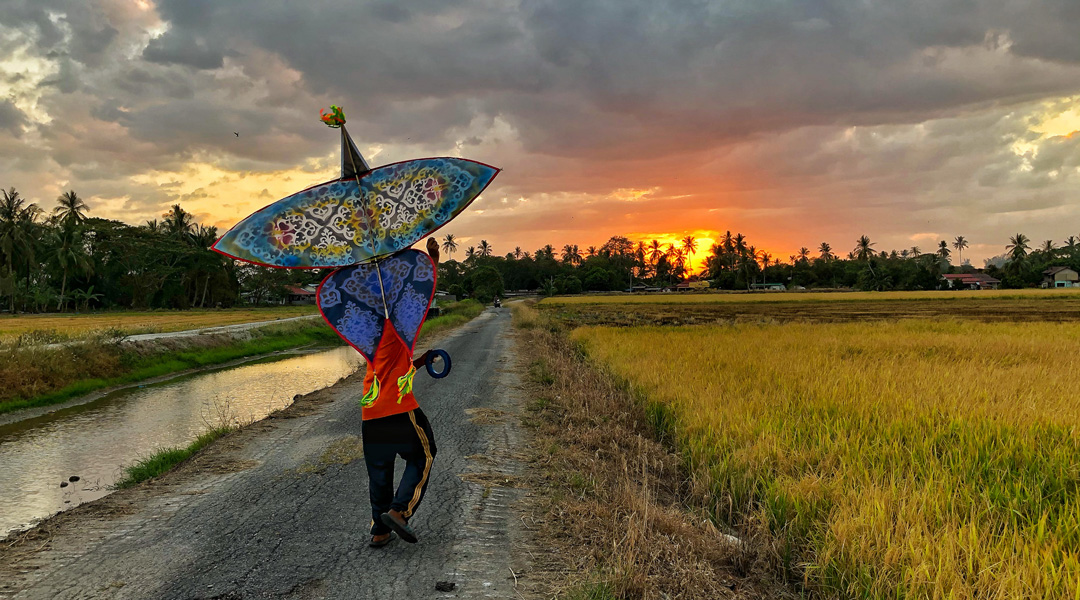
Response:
column 63, row 326
column 700, row 298
column 910, row 458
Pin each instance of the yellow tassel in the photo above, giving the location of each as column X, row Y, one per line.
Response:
column 404, row 384
column 372, row 394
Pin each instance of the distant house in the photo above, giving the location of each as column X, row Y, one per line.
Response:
column 769, row 287
column 1060, row 277
column 299, row 295
column 972, row 281
column 692, row 285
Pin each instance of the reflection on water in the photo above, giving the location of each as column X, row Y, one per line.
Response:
column 94, row 441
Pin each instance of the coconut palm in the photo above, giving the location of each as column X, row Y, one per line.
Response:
column 863, row 248
column 571, row 255
column 655, row 251
column 517, row 252
column 1049, row 247
column 67, row 250
column 1018, row 247
column 592, row 251
column 943, row 250
column 485, row 248
column 16, row 235
column 689, row 246
column 916, row 252
column 470, row 253
column 960, row 243
column 71, row 210
column 178, row 222
column 804, row 255
column 449, row 245
column 826, row 251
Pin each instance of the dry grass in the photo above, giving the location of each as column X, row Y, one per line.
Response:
column 74, row 326
column 615, row 503
column 892, row 459
column 698, row 298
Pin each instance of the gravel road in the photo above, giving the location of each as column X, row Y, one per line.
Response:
column 280, row 516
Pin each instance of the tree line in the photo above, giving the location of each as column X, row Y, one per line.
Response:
column 733, row 263
column 67, row 260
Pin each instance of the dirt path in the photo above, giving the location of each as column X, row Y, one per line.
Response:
column 279, row 510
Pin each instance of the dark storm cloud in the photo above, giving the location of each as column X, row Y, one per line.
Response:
column 570, row 96
column 11, row 118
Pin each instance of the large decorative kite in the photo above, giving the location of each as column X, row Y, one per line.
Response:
column 364, row 222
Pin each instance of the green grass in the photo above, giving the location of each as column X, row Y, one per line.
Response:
column 66, row 373
column 453, row 315
column 165, row 459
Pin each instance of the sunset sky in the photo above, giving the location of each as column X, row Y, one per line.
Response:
column 794, row 122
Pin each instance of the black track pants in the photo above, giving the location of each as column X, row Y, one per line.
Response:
column 409, row 436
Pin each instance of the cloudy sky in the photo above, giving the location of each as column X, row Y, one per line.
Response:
column 794, row 122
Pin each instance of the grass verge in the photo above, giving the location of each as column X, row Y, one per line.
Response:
column 452, row 315
column 165, row 459
column 38, row 376
column 613, row 501
column 62, row 327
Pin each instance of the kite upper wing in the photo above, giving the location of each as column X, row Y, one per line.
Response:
column 328, row 225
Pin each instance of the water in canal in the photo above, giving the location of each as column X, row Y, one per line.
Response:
column 95, row 440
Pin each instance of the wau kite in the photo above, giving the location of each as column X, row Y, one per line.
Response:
column 363, row 223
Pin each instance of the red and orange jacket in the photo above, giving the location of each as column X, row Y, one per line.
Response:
column 388, row 381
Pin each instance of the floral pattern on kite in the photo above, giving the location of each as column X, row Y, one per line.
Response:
column 328, row 225
column 351, row 302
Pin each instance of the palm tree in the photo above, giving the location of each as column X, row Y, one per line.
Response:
column 804, row 255
column 178, row 222
column 943, row 250
column 863, row 248
column 470, row 253
column 1049, row 247
column 1018, row 247
column 16, row 237
column 826, row 251
column 449, row 245
column 153, row 225
column 654, row 251
column 592, row 251
column 71, row 209
column 67, row 250
column 571, row 255
column 960, row 243
column 485, row 248
column 689, row 246
column 517, row 252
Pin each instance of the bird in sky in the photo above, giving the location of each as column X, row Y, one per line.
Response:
column 236, row 134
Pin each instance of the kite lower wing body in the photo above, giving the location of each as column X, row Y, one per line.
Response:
column 355, row 303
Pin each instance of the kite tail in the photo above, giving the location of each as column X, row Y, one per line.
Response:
column 404, row 384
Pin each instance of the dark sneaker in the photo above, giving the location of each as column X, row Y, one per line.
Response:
column 399, row 525
column 382, row 542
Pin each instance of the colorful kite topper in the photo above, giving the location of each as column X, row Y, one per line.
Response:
column 364, row 214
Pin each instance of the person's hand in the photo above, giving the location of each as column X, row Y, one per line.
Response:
column 433, row 248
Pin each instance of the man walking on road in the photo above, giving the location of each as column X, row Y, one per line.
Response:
column 394, row 425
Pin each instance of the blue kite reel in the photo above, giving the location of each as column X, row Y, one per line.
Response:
column 430, row 363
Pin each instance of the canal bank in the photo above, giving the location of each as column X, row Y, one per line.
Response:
column 41, row 376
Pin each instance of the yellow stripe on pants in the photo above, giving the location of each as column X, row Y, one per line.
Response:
column 427, row 466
